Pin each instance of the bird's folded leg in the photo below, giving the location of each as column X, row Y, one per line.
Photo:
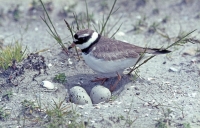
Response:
column 112, row 87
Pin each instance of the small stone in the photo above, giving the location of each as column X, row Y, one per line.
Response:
column 97, row 107
column 172, row 69
column 92, row 121
column 150, row 79
column 69, row 61
column 36, row 29
column 126, row 110
column 47, row 84
column 136, row 88
column 146, row 104
column 137, row 93
column 194, row 60
column 49, row 65
column 80, row 106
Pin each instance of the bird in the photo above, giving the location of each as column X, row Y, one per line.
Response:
column 108, row 56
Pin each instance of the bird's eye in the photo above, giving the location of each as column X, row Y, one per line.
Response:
column 82, row 39
column 76, row 36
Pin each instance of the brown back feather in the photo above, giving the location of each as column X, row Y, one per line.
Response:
column 110, row 49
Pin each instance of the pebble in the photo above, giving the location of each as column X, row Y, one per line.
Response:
column 47, row 84
column 81, row 106
column 150, row 79
column 97, row 107
column 136, row 88
column 92, row 121
column 36, row 29
column 146, row 104
column 50, row 65
column 78, row 95
column 137, row 93
column 126, row 110
column 100, row 94
column 69, row 61
column 172, row 69
column 194, row 60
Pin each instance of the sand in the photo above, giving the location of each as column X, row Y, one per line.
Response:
column 166, row 93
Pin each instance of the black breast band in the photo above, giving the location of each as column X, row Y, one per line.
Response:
column 87, row 50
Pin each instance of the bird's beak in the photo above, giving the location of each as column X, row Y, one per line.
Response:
column 71, row 46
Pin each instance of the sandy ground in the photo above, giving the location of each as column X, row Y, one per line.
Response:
column 141, row 103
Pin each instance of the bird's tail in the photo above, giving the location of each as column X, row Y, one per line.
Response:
column 156, row 51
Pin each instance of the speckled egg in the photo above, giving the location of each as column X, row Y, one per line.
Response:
column 99, row 94
column 78, row 95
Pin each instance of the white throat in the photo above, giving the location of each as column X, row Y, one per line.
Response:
column 89, row 42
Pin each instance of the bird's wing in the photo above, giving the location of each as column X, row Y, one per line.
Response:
column 109, row 49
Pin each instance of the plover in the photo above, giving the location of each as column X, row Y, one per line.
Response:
column 108, row 56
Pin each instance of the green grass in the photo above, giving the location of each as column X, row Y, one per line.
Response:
column 60, row 78
column 10, row 53
column 186, row 125
column 54, row 115
column 153, row 27
column 52, row 30
column 7, row 95
column 140, row 24
column 60, row 115
column 166, row 120
column 4, row 114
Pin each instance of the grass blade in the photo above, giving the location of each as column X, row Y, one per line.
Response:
column 88, row 19
column 53, row 31
column 108, row 17
column 175, row 43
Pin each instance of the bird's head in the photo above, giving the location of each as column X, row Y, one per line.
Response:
column 84, row 38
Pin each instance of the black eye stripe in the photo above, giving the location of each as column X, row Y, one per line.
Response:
column 81, row 40
column 76, row 36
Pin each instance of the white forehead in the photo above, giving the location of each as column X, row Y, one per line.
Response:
column 84, row 35
column 89, row 42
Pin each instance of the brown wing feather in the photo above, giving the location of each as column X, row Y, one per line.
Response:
column 110, row 49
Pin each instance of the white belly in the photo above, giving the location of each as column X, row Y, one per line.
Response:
column 108, row 67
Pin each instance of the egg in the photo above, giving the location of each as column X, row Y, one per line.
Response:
column 78, row 95
column 99, row 94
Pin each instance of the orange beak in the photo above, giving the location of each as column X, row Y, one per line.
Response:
column 71, row 46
